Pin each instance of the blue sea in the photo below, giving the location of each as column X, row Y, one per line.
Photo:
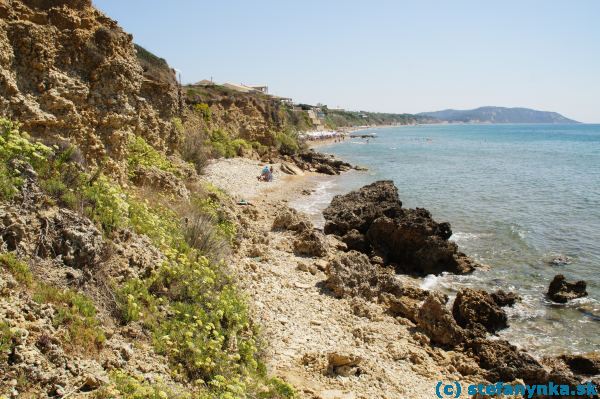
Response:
column 516, row 196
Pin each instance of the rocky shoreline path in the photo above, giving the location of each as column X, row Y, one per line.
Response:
column 325, row 346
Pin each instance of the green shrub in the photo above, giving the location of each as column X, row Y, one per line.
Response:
column 204, row 330
column 19, row 269
column 287, row 144
column 224, row 146
column 207, row 236
column 106, row 204
column 76, row 313
column 162, row 225
column 141, row 154
column 194, row 148
column 260, row 148
column 277, row 389
column 8, row 183
column 15, row 146
column 6, row 341
column 124, row 386
column 225, row 228
column 197, row 317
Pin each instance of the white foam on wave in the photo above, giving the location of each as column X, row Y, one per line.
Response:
column 461, row 237
column 430, row 282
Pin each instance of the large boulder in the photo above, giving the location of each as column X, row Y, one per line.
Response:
column 310, row 243
column 561, row 291
column 437, row 322
column 372, row 219
column 474, row 309
column 503, row 298
column 52, row 233
column 291, row 219
column 352, row 274
column 357, row 241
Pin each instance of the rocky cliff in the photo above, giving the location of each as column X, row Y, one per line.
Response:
column 250, row 116
column 69, row 72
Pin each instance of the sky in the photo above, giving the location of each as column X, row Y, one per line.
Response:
column 386, row 56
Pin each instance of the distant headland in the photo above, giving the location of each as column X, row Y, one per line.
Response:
column 497, row 115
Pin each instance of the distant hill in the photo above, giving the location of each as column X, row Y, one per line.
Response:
column 497, row 115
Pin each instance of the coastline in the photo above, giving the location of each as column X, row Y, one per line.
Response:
column 303, row 322
column 345, row 134
column 306, row 324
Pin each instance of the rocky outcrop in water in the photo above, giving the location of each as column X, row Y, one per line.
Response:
column 373, row 221
column 67, row 71
column 503, row 298
column 561, row 291
column 319, row 162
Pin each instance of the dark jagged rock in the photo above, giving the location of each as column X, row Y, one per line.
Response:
column 474, row 307
column 503, row 298
column 407, row 238
column 327, row 170
column 505, row 362
column 417, row 244
column 357, row 241
column 358, row 209
column 561, row 291
column 437, row 322
column 586, row 364
column 322, row 163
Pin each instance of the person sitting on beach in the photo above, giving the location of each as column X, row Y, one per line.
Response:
column 266, row 174
column 270, row 175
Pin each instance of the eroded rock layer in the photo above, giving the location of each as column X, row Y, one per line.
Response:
column 69, row 72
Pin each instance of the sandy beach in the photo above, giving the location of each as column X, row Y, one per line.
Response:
column 238, row 178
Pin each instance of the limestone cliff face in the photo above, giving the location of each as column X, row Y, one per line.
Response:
column 67, row 71
column 251, row 116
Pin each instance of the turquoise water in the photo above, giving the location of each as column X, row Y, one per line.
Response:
column 516, row 196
